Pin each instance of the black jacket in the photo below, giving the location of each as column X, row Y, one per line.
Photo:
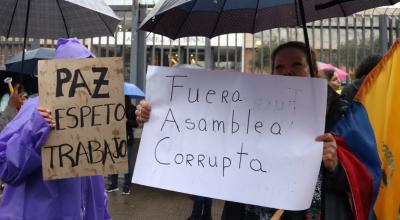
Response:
column 336, row 204
column 130, row 123
column 350, row 91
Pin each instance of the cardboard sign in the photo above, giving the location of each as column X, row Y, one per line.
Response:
column 85, row 97
column 233, row 136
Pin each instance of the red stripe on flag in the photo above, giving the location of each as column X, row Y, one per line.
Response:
column 360, row 181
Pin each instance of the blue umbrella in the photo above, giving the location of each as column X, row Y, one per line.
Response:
column 133, row 91
column 31, row 58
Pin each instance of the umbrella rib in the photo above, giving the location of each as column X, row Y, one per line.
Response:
column 12, row 19
column 297, row 13
column 333, row 3
column 342, row 9
column 255, row 17
column 180, row 26
column 28, row 10
column 105, row 23
column 156, row 21
column 308, row 50
column 330, row 4
column 62, row 15
column 219, row 17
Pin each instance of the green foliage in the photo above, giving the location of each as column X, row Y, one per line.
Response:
column 361, row 50
column 262, row 56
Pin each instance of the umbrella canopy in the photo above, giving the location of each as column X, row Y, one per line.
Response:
column 133, row 91
column 209, row 18
column 342, row 74
column 54, row 19
column 31, row 59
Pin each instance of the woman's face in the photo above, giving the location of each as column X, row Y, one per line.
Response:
column 291, row 62
column 334, row 83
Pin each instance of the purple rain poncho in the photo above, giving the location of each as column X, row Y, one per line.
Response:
column 26, row 195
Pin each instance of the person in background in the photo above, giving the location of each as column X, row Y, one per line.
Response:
column 14, row 104
column 27, row 195
column 367, row 64
column 201, row 208
column 333, row 78
column 336, row 105
column 130, row 125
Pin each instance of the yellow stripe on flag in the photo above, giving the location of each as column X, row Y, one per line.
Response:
column 380, row 95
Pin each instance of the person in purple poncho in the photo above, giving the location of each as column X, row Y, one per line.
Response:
column 27, row 196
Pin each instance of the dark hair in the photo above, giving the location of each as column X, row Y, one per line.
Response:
column 367, row 65
column 298, row 45
column 128, row 102
column 329, row 73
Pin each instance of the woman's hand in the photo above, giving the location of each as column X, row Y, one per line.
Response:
column 16, row 98
column 142, row 112
column 46, row 114
column 329, row 156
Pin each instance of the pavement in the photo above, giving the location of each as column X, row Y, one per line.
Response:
column 146, row 203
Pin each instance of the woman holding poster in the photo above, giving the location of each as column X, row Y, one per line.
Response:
column 330, row 200
column 26, row 195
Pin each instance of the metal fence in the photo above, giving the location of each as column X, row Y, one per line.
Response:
column 343, row 42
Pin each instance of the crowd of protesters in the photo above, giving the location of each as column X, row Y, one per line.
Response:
column 24, row 128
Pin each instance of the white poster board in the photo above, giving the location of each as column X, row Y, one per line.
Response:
column 233, row 136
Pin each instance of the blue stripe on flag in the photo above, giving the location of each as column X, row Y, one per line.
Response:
column 354, row 127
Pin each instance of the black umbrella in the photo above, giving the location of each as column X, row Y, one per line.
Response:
column 209, row 18
column 53, row 19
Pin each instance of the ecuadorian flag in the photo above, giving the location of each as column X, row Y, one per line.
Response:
column 368, row 138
